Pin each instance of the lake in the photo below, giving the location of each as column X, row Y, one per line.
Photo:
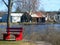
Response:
column 36, row 28
column 29, row 29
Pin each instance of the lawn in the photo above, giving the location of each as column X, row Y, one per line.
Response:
column 15, row 43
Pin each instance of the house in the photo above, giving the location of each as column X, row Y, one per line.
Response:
column 1, row 14
column 4, row 18
column 38, row 17
column 51, row 15
column 57, row 17
column 16, row 17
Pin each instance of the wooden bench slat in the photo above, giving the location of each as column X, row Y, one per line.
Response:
column 14, row 30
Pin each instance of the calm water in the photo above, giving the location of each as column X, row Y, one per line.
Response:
column 28, row 29
column 41, row 27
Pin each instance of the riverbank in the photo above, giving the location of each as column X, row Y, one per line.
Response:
column 28, row 23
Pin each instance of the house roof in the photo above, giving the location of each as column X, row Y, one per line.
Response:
column 37, row 14
column 16, row 14
column 34, row 15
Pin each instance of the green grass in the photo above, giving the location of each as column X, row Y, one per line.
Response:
column 15, row 43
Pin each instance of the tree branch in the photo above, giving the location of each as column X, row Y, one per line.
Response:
column 11, row 4
column 5, row 3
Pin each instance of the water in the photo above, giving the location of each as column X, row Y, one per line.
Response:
column 41, row 27
column 2, row 26
column 28, row 29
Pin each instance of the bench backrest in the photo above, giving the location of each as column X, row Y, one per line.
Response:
column 14, row 29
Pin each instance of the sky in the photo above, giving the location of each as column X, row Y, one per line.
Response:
column 51, row 5
column 2, row 6
column 47, row 5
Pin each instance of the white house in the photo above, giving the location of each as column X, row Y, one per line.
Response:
column 16, row 17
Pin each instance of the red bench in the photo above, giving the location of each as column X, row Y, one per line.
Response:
column 17, row 32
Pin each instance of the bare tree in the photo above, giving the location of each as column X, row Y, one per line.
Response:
column 9, row 6
column 25, row 5
column 28, row 5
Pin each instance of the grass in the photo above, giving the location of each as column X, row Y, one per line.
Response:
column 15, row 43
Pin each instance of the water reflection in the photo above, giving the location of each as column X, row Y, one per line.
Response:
column 42, row 27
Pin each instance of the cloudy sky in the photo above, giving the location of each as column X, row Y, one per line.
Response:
column 47, row 5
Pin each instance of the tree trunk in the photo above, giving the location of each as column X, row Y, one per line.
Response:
column 9, row 13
